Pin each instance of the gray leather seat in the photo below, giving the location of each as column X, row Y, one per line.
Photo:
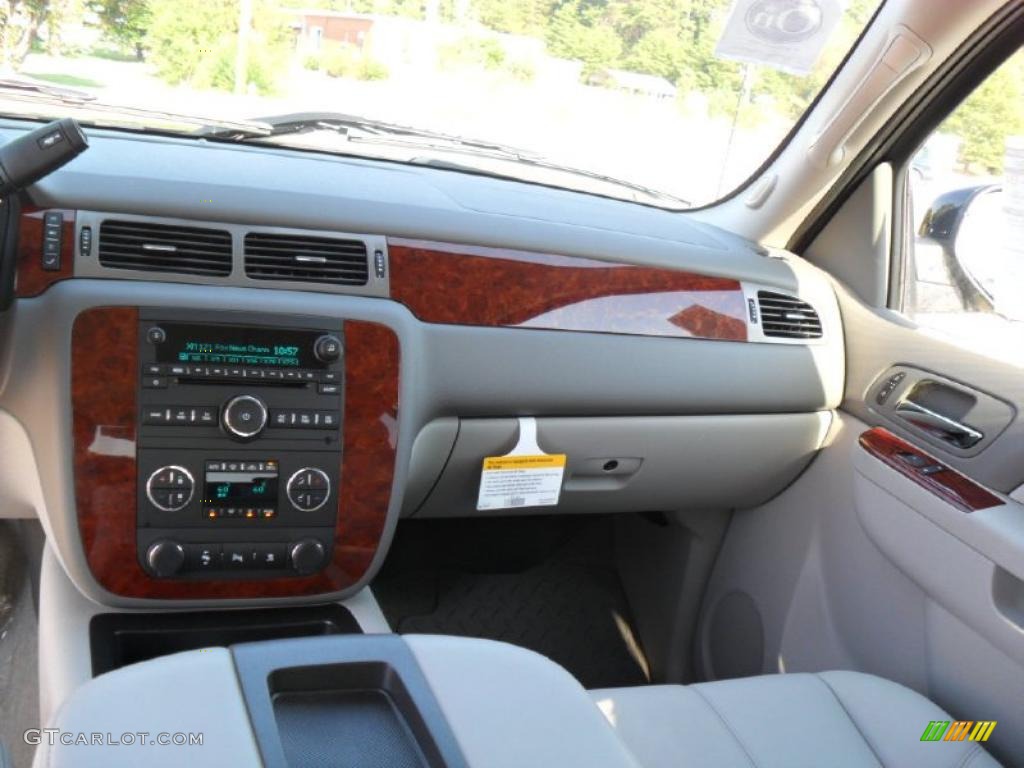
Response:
column 835, row 719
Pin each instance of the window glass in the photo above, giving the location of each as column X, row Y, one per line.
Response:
column 965, row 274
column 667, row 102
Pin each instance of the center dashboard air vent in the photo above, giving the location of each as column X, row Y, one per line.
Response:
column 305, row 259
column 151, row 247
column 786, row 317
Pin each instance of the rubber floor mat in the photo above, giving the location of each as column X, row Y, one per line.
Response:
column 566, row 607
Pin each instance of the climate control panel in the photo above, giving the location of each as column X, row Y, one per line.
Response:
column 239, row 448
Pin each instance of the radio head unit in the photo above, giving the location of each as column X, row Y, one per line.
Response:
column 239, row 448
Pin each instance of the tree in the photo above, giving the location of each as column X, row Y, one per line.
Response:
column 577, row 33
column 658, row 52
column 528, row 17
column 195, row 41
column 992, row 112
column 19, row 23
column 124, row 22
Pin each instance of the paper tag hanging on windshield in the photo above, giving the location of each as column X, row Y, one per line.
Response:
column 527, row 477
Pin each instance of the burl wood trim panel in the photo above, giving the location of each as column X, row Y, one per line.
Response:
column 950, row 485
column 103, row 392
column 32, row 279
column 467, row 285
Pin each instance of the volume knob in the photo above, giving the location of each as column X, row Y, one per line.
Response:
column 244, row 416
column 327, row 348
column 165, row 557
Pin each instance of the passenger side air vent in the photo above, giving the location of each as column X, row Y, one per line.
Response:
column 786, row 317
column 305, row 259
column 151, row 247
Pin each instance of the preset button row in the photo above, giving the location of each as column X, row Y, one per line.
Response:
column 303, row 418
column 181, row 415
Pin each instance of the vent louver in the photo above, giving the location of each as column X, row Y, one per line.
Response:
column 153, row 247
column 305, row 259
column 786, row 317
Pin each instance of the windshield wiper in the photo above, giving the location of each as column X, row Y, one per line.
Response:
column 353, row 128
column 26, row 89
column 366, row 130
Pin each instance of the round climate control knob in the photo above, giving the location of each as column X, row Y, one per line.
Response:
column 307, row 556
column 327, row 348
column 308, row 489
column 244, row 416
column 170, row 488
column 165, row 557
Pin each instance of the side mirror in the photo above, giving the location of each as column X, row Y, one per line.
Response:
column 959, row 230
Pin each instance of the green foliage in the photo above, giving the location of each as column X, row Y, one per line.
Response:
column 72, row 81
column 658, row 52
column 195, row 42
column 578, row 32
column 992, row 112
column 472, row 53
column 526, row 17
column 19, row 22
column 475, row 53
column 124, row 22
column 521, row 70
column 414, row 9
column 346, row 61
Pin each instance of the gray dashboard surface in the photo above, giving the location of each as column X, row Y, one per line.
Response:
column 247, row 184
column 446, row 371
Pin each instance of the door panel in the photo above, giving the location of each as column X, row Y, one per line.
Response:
column 857, row 566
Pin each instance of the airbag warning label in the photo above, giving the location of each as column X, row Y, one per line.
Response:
column 521, row 479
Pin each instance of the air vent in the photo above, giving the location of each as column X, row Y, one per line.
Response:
column 305, row 259
column 152, row 247
column 785, row 317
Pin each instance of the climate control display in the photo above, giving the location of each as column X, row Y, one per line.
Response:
column 247, row 486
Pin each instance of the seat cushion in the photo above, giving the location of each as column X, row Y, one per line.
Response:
column 839, row 719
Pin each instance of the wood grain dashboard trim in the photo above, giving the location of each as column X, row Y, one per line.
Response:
column 105, row 413
column 948, row 484
column 467, row 285
column 31, row 278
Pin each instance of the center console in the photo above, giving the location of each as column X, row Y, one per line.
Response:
column 239, row 446
column 231, row 454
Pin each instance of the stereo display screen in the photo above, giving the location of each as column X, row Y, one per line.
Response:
column 227, row 345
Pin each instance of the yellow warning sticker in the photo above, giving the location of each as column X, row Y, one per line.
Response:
column 543, row 461
column 526, row 477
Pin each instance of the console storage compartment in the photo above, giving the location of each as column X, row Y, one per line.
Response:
column 364, row 701
column 118, row 639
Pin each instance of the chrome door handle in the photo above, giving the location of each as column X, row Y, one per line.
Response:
column 942, row 427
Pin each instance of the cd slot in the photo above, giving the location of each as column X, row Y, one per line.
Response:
column 227, row 380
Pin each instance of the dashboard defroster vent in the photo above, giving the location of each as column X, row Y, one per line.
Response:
column 305, row 259
column 151, row 247
column 786, row 317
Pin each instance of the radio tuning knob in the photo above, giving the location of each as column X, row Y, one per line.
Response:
column 327, row 348
column 165, row 557
column 244, row 416
column 307, row 556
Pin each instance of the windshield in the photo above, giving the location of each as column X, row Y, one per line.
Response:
column 666, row 102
